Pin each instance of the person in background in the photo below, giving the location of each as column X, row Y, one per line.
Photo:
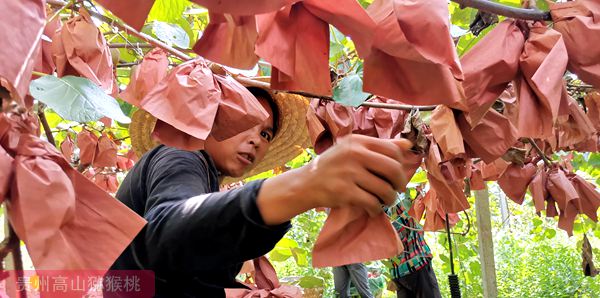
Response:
column 355, row 273
column 411, row 271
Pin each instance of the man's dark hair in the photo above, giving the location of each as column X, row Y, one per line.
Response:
column 259, row 92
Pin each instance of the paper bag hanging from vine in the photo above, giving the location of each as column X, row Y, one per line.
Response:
column 562, row 191
column 229, row 40
column 380, row 123
column 515, row 179
column 65, row 220
column 537, row 188
column 592, row 103
column 266, row 283
column 579, row 23
column 186, row 103
column 244, row 7
column 435, row 217
column 446, row 132
column 6, row 168
column 408, row 55
column 489, row 67
column 491, row 138
column 589, row 198
column 145, row 76
column 327, row 122
column 79, row 49
column 575, row 128
column 542, row 64
column 132, row 12
column 295, row 40
column 22, row 44
column 350, row 236
column 454, row 199
column 44, row 61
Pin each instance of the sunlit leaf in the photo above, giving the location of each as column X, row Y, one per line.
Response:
column 300, row 255
column 550, row 233
column 311, row 282
column 349, row 91
column 168, row 10
column 462, row 17
column 76, row 99
column 280, row 255
column 171, row 34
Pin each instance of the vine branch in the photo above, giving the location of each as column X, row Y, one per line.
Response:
column 44, row 121
column 547, row 161
column 266, row 85
column 533, row 14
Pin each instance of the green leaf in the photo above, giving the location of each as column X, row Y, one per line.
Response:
column 76, row 99
column 311, row 282
column 171, row 34
column 537, row 221
column 513, row 3
column 550, row 233
column 167, row 10
column 280, row 255
column 349, row 91
column 286, row 243
column 419, row 177
column 462, row 17
column 578, row 227
column 301, row 256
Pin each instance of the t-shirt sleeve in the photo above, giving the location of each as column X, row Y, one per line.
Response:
column 191, row 229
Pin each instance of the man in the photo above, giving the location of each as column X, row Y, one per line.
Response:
column 358, row 274
column 197, row 238
column 411, row 270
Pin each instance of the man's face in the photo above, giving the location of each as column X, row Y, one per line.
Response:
column 235, row 156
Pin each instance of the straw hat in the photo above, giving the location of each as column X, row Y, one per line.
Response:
column 290, row 139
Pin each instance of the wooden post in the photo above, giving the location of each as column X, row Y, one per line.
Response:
column 486, row 244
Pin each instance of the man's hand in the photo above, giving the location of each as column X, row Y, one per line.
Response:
column 358, row 171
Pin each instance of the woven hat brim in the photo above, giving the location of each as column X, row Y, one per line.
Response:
column 140, row 132
column 291, row 138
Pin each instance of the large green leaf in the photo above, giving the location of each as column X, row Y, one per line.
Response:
column 300, row 255
column 171, row 34
column 280, row 254
column 76, row 99
column 349, row 91
column 308, row 282
column 461, row 17
column 169, row 11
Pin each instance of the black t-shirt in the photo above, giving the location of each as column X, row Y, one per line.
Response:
column 196, row 238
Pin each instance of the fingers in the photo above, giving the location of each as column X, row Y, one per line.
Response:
column 404, row 144
column 366, row 201
column 387, row 168
column 376, row 186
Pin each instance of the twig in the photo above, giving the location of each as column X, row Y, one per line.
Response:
column 266, row 85
column 67, row 5
column 539, row 151
column 507, row 11
column 56, row 2
column 133, row 44
column 44, row 122
column 581, row 86
column 146, row 37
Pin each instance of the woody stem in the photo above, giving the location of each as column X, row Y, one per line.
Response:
column 507, row 11
column 539, row 151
